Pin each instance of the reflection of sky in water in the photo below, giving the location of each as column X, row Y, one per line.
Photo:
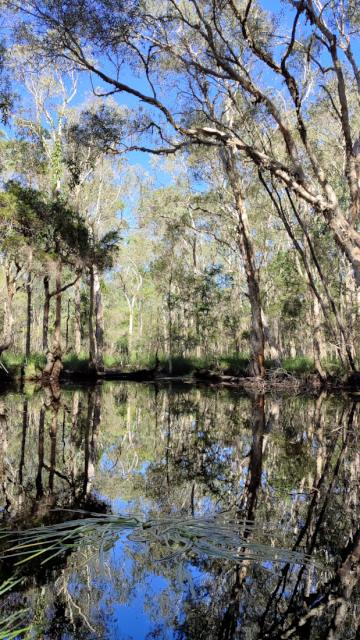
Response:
column 128, row 593
column 129, row 608
column 107, row 465
column 141, row 613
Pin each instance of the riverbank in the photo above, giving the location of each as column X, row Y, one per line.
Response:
column 296, row 375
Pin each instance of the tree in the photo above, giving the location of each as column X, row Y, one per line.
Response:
column 229, row 66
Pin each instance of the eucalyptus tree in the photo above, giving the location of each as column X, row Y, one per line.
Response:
column 203, row 56
column 95, row 192
column 52, row 227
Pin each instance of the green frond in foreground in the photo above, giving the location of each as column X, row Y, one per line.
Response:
column 168, row 537
column 173, row 536
column 8, row 625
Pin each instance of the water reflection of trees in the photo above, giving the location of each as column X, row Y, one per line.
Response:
column 50, row 460
column 290, row 466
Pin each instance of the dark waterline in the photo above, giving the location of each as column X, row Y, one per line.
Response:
column 281, row 473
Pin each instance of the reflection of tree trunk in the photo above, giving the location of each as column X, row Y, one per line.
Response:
column 3, row 440
column 38, row 481
column 86, row 481
column 53, row 437
column 25, row 424
column 90, row 443
column 75, row 409
column 335, row 595
column 3, row 454
column 313, row 523
column 253, row 483
column 348, row 576
column 256, row 454
column 95, row 423
column 46, row 313
column 96, row 419
column 77, row 304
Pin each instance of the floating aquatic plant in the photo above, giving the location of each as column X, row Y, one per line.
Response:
column 173, row 535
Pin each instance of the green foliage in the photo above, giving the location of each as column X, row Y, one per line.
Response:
column 16, row 364
column 299, row 365
column 111, row 361
column 49, row 221
column 34, row 365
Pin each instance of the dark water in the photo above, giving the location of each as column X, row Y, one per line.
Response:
column 280, row 473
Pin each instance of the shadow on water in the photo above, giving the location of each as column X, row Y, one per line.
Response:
column 135, row 511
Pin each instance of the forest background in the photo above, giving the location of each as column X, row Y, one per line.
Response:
column 180, row 187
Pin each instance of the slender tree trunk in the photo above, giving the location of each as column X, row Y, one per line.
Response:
column 53, row 365
column 28, row 315
column 8, row 324
column 140, row 327
column 170, row 332
column 317, row 338
column 99, row 321
column 271, row 340
column 92, row 340
column 67, row 327
column 257, row 337
column 46, row 313
column 131, row 326
column 351, row 303
column 77, row 303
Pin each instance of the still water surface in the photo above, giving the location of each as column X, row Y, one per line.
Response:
column 278, row 474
